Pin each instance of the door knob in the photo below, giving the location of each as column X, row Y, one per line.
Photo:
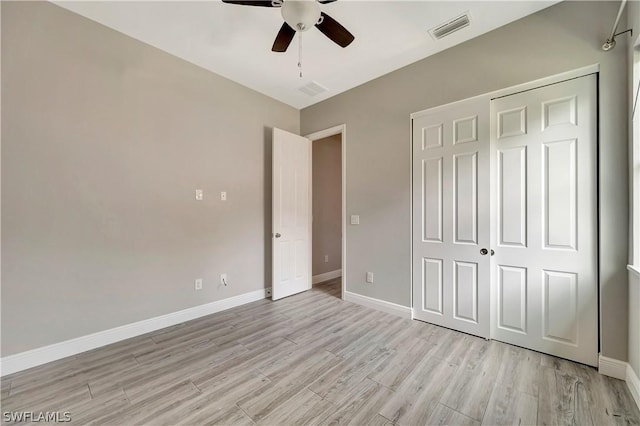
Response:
column 278, row 235
column 492, row 252
column 484, row 251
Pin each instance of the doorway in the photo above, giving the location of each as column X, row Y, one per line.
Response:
column 328, row 210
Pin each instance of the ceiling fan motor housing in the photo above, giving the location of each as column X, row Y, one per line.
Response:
column 301, row 15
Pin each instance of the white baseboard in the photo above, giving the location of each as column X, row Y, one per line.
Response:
column 621, row 370
column 21, row 361
column 634, row 270
column 633, row 382
column 612, row 367
column 326, row 276
column 380, row 305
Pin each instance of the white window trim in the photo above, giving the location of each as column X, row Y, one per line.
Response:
column 634, row 164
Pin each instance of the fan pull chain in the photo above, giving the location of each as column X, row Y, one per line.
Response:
column 300, row 52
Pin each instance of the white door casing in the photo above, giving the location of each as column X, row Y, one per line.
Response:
column 291, row 208
column 544, row 229
column 451, row 221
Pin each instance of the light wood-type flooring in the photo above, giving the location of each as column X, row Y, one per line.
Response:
column 315, row 359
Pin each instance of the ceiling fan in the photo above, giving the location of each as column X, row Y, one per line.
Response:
column 301, row 15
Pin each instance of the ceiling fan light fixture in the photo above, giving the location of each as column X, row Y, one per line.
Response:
column 301, row 15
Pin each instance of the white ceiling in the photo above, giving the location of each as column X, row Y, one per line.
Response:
column 235, row 41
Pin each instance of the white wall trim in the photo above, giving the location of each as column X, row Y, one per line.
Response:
column 612, row 367
column 634, row 270
column 21, row 361
column 633, row 382
column 321, row 134
column 326, row 276
column 623, row 371
column 544, row 81
column 380, row 305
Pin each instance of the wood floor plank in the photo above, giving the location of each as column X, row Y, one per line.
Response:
column 113, row 356
column 85, row 412
column 80, row 375
column 155, row 404
column 624, row 409
column 342, row 380
column 43, row 399
column 254, row 359
column 286, row 381
column 300, row 364
column 5, row 387
column 159, row 378
column 393, row 371
column 443, row 415
column 186, row 364
column 509, row 406
column 417, row 398
column 361, row 407
column 231, row 415
column 520, row 368
column 180, row 345
column 348, row 348
column 303, row 408
column 314, row 359
column 469, row 391
column 562, row 399
column 216, row 397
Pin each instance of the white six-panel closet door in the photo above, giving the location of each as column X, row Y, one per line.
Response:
column 517, row 175
column 451, row 217
column 545, row 219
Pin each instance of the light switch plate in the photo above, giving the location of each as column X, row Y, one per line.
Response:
column 355, row 219
column 223, row 196
column 370, row 277
column 199, row 194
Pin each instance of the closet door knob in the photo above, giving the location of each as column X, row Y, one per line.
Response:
column 484, row 251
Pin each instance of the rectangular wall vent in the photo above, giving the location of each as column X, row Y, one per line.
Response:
column 313, row 88
column 450, row 27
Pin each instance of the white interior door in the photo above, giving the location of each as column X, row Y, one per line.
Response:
column 291, row 230
column 451, row 218
column 545, row 207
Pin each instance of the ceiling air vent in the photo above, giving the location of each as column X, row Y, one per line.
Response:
column 313, row 88
column 450, row 27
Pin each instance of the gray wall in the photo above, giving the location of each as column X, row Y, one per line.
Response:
column 327, row 204
column 104, row 140
column 633, row 21
column 558, row 39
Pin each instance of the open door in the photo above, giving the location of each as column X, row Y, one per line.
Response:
column 291, row 230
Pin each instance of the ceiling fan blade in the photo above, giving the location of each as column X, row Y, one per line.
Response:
column 262, row 3
column 326, row 1
column 283, row 39
column 336, row 32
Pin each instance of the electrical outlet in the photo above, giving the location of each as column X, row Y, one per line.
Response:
column 326, row 258
column 223, row 196
column 370, row 277
column 223, row 280
column 198, row 284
